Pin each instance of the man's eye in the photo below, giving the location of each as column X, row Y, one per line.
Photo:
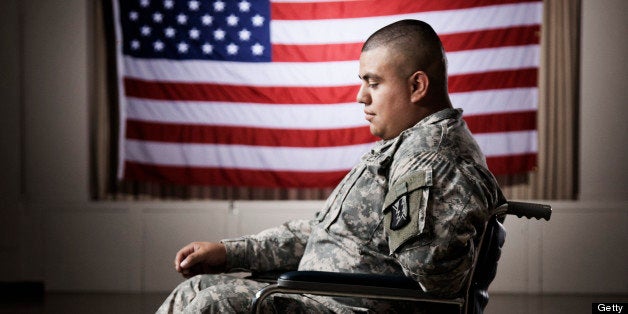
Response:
column 373, row 85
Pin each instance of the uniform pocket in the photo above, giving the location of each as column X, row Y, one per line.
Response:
column 405, row 207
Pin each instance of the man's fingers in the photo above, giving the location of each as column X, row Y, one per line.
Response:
column 195, row 257
column 190, row 260
column 182, row 254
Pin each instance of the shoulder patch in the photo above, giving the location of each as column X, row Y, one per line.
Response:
column 405, row 207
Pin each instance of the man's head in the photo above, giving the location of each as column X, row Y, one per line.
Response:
column 404, row 77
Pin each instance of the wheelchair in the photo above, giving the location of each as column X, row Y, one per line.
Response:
column 473, row 299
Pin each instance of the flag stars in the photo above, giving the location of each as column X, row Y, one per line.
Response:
column 257, row 49
column 219, row 6
column 219, row 34
column 232, row 20
column 145, row 30
column 158, row 45
column 197, row 29
column 194, row 33
column 232, row 49
column 158, row 17
column 133, row 16
column 182, row 47
column 193, row 5
column 244, row 34
column 207, row 48
column 182, row 19
column 257, row 20
column 170, row 32
column 207, row 19
column 244, row 6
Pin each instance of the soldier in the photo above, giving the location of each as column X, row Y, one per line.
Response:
column 414, row 205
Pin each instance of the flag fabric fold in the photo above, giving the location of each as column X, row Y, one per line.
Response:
column 262, row 93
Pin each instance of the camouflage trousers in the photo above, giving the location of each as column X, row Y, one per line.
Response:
column 230, row 294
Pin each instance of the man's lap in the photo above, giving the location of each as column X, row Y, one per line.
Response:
column 230, row 294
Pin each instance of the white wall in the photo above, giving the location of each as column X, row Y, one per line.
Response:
column 51, row 231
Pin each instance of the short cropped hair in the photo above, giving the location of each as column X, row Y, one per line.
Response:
column 420, row 45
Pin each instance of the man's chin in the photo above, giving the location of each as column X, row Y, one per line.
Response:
column 377, row 133
column 374, row 130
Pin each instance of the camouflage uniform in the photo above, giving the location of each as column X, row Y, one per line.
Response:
column 414, row 205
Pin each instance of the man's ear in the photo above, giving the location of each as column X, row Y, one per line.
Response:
column 420, row 83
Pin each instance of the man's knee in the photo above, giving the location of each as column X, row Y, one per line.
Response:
column 210, row 291
column 226, row 298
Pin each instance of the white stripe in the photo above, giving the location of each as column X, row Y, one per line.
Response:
column 494, row 59
column 239, row 114
column 328, row 116
column 339, row 73
column 444, row 22
column 496, row 101
column 296, row 158
column 242, row 73
column 507, row 143
column 246, row 157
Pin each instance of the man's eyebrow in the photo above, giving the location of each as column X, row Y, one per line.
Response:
column 368, row 76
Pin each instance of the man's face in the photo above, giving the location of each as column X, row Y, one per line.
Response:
column 385, row 93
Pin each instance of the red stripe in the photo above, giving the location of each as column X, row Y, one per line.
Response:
column 258, row 178
column 316, row 53
column 208, row 134
column 502, row 37
column 512, row 164
column 239, row 93
column 354, row 9
column 502, row 122
column 493, row 80
column 513, row 36
column 309, row 95
column 231, row 177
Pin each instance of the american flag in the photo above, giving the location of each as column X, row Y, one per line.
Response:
column 262, row 93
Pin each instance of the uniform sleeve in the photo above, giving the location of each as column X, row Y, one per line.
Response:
column 279, row 248
column 433, row 218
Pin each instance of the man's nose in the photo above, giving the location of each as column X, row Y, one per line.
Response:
column 362, row 97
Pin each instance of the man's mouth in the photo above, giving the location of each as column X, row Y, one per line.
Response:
column 369, row 116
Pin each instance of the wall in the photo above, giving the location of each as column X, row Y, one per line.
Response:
column 10, row 135
column 50, row 230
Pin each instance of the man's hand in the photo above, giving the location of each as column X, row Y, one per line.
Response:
column 201, row 258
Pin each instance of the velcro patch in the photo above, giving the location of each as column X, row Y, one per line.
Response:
column 400, row 214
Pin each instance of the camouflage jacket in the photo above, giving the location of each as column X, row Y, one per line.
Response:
column 414, row 205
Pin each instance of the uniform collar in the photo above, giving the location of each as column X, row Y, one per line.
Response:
column 449, row 113
column 383, row 151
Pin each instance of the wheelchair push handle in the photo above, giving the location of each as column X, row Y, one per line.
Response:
column 530, row 210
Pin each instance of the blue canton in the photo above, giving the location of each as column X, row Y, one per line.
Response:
column 222, row 30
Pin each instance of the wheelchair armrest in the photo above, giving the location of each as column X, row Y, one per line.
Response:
column 292, row 278
column 365, row 285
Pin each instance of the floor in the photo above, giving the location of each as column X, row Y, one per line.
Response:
column 92, row 303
